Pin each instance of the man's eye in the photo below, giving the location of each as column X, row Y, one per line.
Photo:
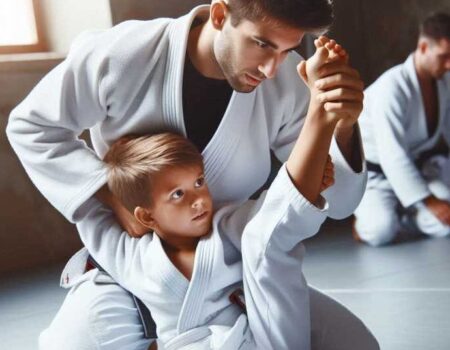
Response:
column 177, row 194
column 261, row 44
column 200, row 182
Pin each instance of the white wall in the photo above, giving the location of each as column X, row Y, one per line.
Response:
column 64, row 20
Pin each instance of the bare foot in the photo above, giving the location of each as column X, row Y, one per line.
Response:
column 309, row 69
column 336, row 51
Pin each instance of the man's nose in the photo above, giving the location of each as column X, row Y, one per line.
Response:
column 269, row 68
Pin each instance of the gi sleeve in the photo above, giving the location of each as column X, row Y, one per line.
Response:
column 276, row 292
column 126, row 259
column 388, row 110
column 43, row 130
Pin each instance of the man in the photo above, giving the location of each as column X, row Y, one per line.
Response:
column 145, row 77
column 406, row 133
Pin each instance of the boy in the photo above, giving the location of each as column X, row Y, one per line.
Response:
column 187, row 270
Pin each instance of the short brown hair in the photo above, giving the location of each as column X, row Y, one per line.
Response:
column 132, row 160
column 310, row 15
column 436, row 26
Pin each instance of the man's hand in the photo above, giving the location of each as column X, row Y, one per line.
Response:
column 439, row 208
column 125, row 219
column 335, row 87
column 336, row 95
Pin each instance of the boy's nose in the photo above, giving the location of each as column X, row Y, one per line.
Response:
column 197, row 203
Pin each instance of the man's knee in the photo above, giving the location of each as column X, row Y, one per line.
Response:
column 95, row 316
column 379, row 230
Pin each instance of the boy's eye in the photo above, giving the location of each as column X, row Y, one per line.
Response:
column 177, row 194
column 200, row 182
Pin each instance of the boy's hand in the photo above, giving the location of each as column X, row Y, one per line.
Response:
column 328, row 175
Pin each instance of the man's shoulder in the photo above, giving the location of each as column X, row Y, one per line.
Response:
column 127, row 35
column 397, row 83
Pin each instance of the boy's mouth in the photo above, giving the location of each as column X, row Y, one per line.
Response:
column 200, row 216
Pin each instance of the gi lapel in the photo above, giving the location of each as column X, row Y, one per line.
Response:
column 191, row 311
column 221, row 148
column 236, row 118
column 168, row 273
column 173, row 84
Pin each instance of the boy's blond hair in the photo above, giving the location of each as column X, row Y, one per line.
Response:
column 133, row 160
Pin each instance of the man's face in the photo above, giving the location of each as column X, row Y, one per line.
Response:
column 437, row 57
column 182, row 204
column 252, row 51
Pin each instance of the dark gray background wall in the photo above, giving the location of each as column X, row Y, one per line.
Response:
column 378, row 35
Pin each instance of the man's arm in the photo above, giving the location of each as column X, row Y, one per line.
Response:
column 350, row 90
column 349, row 143
column 95, row 83
column 126, row 220
column 43, row 130
column 346, row 193
column 126, row 259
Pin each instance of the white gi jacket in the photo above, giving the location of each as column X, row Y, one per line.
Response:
column 394, row 128
column 128, row 79
column 267, row 231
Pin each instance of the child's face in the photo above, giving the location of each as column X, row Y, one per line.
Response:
column 182, row 205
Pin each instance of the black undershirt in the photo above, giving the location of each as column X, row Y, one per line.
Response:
column 205, row 101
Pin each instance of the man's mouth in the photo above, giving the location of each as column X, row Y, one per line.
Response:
column 252, row 80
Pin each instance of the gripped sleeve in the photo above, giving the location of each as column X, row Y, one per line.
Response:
column 272, row 256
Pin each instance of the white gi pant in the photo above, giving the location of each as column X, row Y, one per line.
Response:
column 379, row 216
column 102, row 315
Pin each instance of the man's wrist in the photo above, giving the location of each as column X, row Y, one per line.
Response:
column 345, row 132
column 347, row 140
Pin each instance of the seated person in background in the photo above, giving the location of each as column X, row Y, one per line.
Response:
column 405, row 126
column 190, row 270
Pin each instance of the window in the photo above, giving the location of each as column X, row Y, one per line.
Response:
column 19, row 27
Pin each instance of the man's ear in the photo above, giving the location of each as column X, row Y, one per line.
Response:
column 144, row 217
column 218, row 13
column 423, row 45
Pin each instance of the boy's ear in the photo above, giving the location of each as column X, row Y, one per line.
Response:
column 218, row 12
column 144, row 217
